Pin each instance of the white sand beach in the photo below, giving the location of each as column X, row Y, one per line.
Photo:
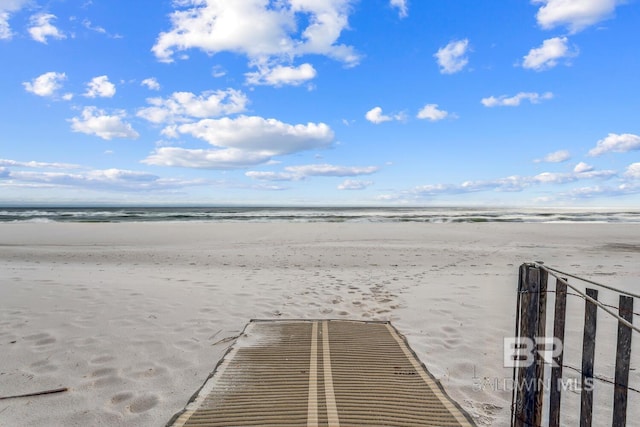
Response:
column 132, row 317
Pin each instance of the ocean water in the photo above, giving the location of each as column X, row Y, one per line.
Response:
column 314, row 214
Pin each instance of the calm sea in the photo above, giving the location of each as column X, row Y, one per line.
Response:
column 313, row 214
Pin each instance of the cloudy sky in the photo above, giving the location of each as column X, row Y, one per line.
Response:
column 378, row 102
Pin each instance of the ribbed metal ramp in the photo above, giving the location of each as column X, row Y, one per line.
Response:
column 321, row 373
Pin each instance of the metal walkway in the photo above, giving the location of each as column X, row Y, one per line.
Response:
column 321, row 373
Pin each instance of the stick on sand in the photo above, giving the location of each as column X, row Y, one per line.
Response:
column 38, row 393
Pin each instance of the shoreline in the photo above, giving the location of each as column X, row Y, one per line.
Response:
column 319, row 215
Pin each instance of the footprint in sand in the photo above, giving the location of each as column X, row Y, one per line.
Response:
column 150, row 371
column 121, row 397
column 104, row 372
column 43, row 367
column 41, row 340
column 35, row 337
column 104, row 377
column 449, row 330
column 451, row 342
column 143, row 403
column 98, row 360
column 83, row 342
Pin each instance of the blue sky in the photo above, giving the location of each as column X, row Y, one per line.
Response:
column 372, row 102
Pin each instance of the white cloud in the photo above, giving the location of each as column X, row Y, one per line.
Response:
column 170, row 131
column 231, row 158
column 331, row 170
column 547, row 56
column 555, row 157
column 268, row 187
column 452, row 58
column 46, row 84
column 151, row 83
column 89, row 26
column 259, row 134
column 183, row 106
column 12, row 5
column 375, row 116
column 106, row 179
column 300, row 172
column 512, row 183
column 5, row 29
column 351, row 184
column 590, row 174
column 582, row 167
column 94, row 121
column 616, row 143
column 575, row 14
column 401, row 5
column 241, row 142
column 432, row 113
column 273, row 176
column 563, row 178
column 98, row 29
column 280, row 75
column 553, row 178
column 623, row 189
column 218, row 71
column 633, row 171
column 34, row 164
column 516, row 100
column 41, row 28
column 6, row 8
column 258, row 29
column 100, row 87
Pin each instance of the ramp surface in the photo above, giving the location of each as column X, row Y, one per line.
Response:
column 324, row 373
